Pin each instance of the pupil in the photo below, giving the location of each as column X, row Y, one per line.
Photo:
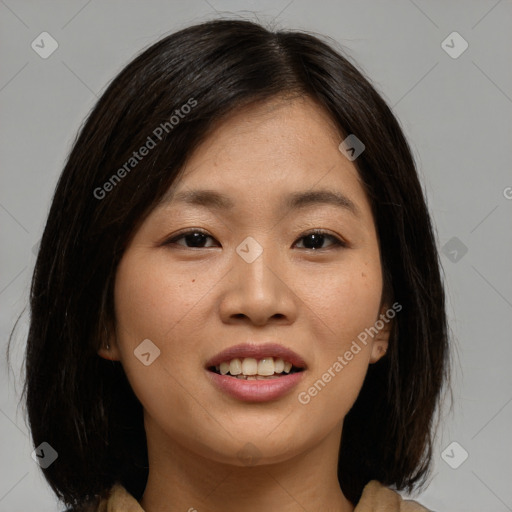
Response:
column 196, row 239
column 317, row 240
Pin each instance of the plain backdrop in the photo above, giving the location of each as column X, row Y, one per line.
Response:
column 455, row 107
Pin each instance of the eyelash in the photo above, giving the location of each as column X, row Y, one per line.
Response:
column 338, row 243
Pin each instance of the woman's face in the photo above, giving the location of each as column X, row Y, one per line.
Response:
column 256, row 275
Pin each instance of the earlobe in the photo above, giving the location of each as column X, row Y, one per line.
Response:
column 379, row 350
column 106, row 351
column 381, row 341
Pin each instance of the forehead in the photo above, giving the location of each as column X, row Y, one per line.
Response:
column 279, row 128
column 268, row 149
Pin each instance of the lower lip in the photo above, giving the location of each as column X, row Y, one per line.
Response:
column 256, row 390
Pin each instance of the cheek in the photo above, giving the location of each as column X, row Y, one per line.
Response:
column 331, row 392
column 150, row 303
column 151, row 299
column 346, row 299
column 359, row 296
column 153, row 303
column 348, row 303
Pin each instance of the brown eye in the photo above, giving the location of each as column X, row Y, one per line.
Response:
column 193, row 239
column 196, row 239
column 315, row 239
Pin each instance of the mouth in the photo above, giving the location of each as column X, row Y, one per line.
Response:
column 250, row 368
column 256, row 373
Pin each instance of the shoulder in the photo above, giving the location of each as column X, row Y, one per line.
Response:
column 115, row 499
column 119, row 500
column 378, row 498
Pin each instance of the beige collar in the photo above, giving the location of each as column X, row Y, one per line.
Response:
column 375, row 498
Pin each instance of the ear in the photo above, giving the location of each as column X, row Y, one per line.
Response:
column 381, row 339
column 109, row 348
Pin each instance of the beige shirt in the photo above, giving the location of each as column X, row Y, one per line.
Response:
column 375, row 498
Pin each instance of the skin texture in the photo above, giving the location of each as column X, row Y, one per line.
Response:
column 193, row 302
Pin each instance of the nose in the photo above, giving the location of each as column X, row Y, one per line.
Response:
column 259, row 292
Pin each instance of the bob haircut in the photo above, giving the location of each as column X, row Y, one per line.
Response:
column 82, row 404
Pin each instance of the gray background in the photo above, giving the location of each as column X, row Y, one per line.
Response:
column 456, row 113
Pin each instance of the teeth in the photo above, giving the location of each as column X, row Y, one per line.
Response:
column 235, row 367
column 266, row 366
column 256, row 377
column 249, row 368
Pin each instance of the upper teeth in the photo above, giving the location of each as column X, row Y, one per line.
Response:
column 251, row 366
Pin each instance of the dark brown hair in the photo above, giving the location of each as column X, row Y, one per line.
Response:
column 81, row 404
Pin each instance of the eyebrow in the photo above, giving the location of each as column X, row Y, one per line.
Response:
column 294, row 201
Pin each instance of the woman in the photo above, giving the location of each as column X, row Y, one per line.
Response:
column 237, row 302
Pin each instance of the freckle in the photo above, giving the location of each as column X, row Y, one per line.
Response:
column 363, row 274
column 193, row 280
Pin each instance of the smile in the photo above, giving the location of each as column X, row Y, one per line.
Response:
column 249, row 368
column 256, row 372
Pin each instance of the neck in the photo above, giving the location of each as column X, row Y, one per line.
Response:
column 181, row 480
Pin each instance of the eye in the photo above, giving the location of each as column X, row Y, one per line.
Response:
column 315, row 240
column 196, row 238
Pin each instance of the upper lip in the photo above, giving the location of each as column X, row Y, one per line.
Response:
column 257, row 351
